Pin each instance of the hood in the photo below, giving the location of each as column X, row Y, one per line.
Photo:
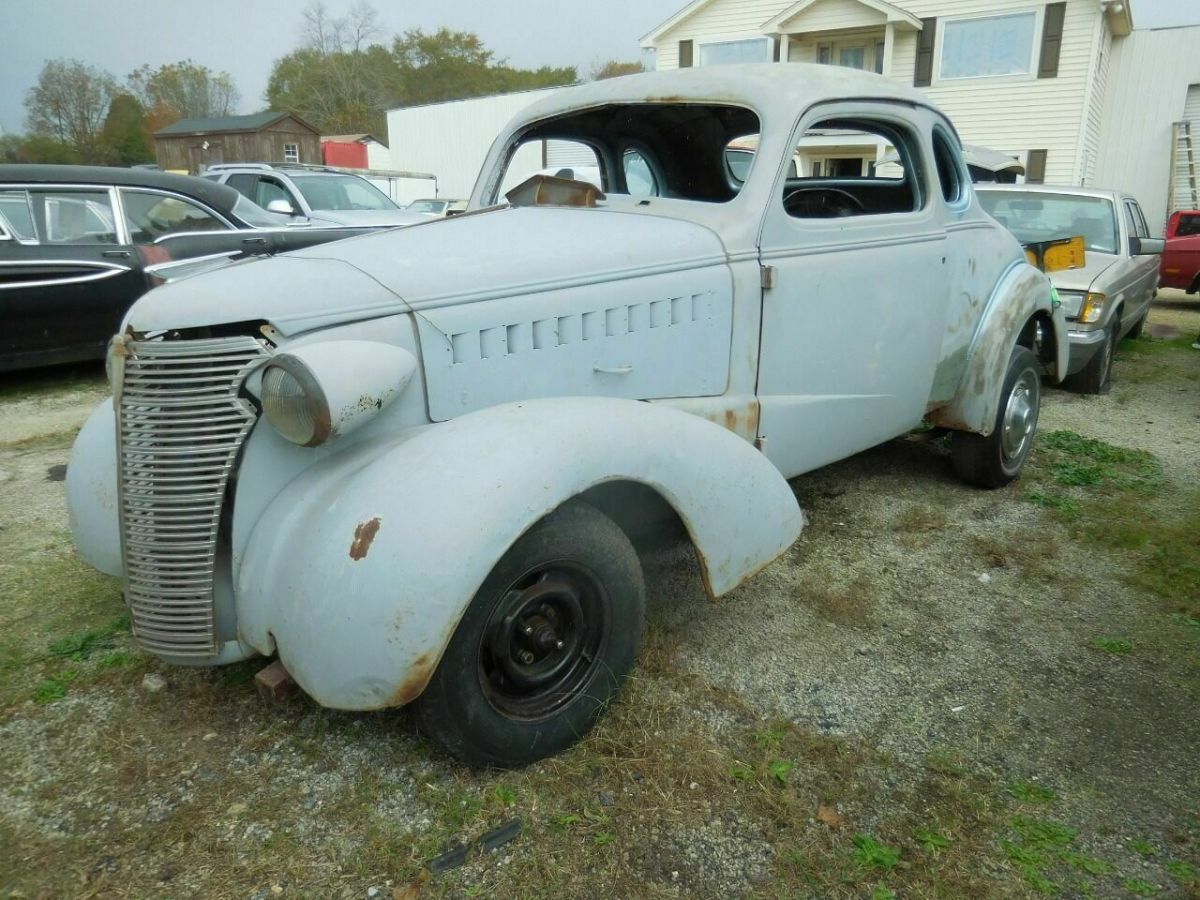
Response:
column 477, row 256
column 1095, row 264
column 368, row 216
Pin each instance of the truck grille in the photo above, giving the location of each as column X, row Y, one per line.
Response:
column 180, row 423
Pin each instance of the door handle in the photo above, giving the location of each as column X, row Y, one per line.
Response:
column 612, row 370
column 256, row 240
column 116, row 254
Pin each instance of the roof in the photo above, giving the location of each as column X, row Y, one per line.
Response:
column 228, row 124
column 1069, row 189
column 218, row 196
column 890, row 11
column 775, row 90
column 351, row 138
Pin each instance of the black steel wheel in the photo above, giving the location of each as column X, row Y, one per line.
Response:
column 543, row 646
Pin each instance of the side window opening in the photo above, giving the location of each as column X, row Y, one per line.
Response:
column 74, row 217
column 854, row 167
column 152, row 216
column 16, row 214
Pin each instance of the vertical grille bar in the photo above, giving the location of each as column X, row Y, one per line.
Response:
column 180, row 424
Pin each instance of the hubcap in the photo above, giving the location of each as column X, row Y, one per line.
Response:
column 1020, row 417
column 541, row 644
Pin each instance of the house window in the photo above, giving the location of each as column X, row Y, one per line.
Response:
column 291, row 153
column 865, row 56
column 723, row 52
column 995, row 45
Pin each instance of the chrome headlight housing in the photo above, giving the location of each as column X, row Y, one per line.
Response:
column 320, row 391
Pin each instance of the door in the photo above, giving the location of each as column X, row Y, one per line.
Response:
column 852, row 327
column 67, row 274
column 1144, row 268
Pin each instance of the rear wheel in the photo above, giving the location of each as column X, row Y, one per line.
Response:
column 546, row 642
column 1096, row 376
column 1136, row 330
column 995, row 460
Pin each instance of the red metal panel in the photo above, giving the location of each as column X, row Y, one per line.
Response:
column 342, row 153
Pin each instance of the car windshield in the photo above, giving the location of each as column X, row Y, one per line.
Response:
column 1035, row 216
column 253, row 214
column 427, row 206
column 341, row 192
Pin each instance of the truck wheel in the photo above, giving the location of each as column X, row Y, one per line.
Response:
column 995, row 460
column 1136, row 330
column 547, row 640
column 1096, row 376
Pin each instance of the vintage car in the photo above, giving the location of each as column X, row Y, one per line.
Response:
column 410, row 464
column 1109, row 297
column 1181, row 255
column 78, row 244
column 439, row 207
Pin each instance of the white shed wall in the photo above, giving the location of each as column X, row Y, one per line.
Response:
column 452, row 139
column 378, row 156
column 1147, row 88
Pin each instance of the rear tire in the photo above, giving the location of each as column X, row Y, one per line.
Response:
column 1096, row 376
column 546, row 642
column 1136, row 330
column 995, row 460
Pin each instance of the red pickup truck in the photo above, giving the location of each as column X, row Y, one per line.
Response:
column 1181, row 258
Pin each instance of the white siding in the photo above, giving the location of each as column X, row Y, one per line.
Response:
column 452, row 139
column 1012, row 113
column 1147, row 89
column 1095, row 112
column 378, row 156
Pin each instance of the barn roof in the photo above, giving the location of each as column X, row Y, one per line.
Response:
column 228, row 124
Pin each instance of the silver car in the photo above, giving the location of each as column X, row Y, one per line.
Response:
column 1109, row 297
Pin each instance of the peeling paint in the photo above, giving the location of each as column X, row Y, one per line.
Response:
column 364, row 534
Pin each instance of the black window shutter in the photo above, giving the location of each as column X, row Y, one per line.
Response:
column 776, row 41
column 923, row 75
column 1052, row 32
column 685, row 54
column 1035, row 167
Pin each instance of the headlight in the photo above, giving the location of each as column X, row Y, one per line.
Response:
column 320, row 391
column 294, row 403
column 1072, row 301
column 1093, row 307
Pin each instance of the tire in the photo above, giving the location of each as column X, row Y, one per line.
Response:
column 546, row 642
column 1096, row 376
column 996, row 460
column 1136, row 330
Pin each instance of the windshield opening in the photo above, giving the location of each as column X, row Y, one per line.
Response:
column 341, row 192
column 1034, row 216
column 672, row 150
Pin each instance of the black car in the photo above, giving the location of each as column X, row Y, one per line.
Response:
column 76, row 244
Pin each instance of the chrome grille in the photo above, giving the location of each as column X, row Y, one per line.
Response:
column 180, row 423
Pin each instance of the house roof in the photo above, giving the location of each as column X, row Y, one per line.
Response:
column 890, row 11
column 228, row 124
column 351, row 138
column 893, row 12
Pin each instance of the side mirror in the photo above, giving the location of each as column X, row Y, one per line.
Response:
column 1140, row 246
column 282, row 207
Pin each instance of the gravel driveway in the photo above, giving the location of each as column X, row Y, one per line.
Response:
column 936, row 691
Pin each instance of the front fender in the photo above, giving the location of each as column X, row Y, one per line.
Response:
column 359, row 571
column 1021, row 293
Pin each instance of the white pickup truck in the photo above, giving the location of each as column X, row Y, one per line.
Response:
column 409, row 464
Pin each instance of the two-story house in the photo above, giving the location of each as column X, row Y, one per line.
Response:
column 1019, row 76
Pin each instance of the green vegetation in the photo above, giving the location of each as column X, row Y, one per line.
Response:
column 1030, row 792
column 870, row 852
column 1118, row 646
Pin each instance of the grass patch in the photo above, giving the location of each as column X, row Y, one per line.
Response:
column 1114, row 645
column 1077, row 461
column 1035, row 847
column 1064, row 506
column 1181, row 871
column 1031, row 792
column 1144, row 345
column 871, row 853
column 1141, row 888
column 83, row 644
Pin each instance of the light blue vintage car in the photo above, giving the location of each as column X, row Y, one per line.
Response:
column 411, row 464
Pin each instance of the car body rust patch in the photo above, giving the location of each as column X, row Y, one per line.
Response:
column 364, row 534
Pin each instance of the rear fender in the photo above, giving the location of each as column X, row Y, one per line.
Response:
column 1021, row 297
column 359, row 571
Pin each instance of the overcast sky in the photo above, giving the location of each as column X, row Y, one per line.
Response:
column 244, row 37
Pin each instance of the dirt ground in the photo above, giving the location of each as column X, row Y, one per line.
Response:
column 936, row 692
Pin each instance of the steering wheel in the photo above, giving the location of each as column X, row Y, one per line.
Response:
column 822, row 203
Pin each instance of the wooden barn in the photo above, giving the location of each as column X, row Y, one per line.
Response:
column 191, row 145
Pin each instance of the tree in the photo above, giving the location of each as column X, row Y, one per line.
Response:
column 183, row 90
column 339, row 93
column 69, row 104
column 124, row 136
column 327, row 34
column 615, row 68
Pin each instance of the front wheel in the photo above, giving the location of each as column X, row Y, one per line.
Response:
column 1096, row 376
column 995, row 460
column 545, row 643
